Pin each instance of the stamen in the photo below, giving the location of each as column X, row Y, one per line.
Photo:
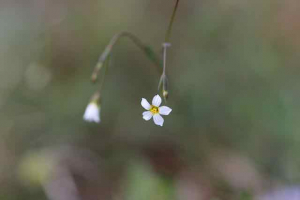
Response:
column 154, row 109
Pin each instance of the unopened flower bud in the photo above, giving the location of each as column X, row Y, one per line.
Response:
column 165, row 94
column 92, row 111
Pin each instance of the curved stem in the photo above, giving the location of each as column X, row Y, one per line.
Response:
column 104, row 74
column 146, row 49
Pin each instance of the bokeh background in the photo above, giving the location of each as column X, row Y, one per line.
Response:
column 233, row 72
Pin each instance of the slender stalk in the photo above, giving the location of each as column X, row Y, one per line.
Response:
column 104, row 74
column 165, row 46
column 169, row 30
column 146, row 49
column 163, row 79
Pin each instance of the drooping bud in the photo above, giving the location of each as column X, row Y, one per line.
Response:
column 92, row 111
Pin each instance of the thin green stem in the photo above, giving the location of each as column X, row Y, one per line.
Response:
column 105, row 73
column 169, row 30
column 146, row 49
column 165, row 46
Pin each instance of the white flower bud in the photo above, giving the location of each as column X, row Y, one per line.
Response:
column 92, row 113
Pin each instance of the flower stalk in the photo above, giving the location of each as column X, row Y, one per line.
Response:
column 169, row 30
column 163, row 79
column 108, row 49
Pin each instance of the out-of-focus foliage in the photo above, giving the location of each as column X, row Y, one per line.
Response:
column 233, row 72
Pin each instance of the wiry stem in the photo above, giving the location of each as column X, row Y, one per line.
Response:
column 163, row 79
column 169, row 30
column 165, row 46
column 146, row 49
column 104, row 74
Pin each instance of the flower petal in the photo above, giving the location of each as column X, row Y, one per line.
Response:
column 156, row 101
column 164, row 110
column 158, row 120
column 147, row 115
column 92, row 113
column 145, row 104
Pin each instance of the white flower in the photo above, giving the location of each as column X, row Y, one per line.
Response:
column 92, row 113
column 154, row 110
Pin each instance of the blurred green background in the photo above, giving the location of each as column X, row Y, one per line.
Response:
column 233, row 72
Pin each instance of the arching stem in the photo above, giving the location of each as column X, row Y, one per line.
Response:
column 145, row 49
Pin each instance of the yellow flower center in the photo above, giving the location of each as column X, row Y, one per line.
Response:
column 154, row 109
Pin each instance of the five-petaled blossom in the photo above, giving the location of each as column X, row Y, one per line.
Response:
column 92, row 113
column 154, row 110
